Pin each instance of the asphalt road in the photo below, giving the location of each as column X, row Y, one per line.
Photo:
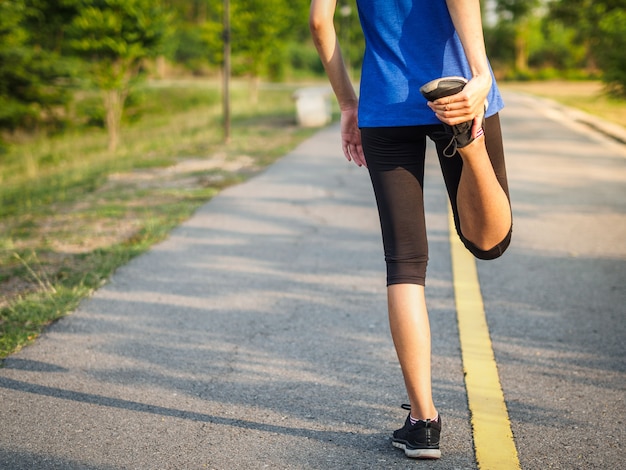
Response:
column 256, row 335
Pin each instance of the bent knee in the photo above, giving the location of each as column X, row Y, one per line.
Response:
column 491, row 253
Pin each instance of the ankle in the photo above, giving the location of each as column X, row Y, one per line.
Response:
column 415, row 420
column 473, row 149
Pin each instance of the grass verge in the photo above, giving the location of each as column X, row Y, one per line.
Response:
column 71, row 213
column 587, row 96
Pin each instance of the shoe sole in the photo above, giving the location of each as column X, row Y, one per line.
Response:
column 442, row 87
column 431, row 454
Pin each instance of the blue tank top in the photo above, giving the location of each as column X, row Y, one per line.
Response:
column 408, row 43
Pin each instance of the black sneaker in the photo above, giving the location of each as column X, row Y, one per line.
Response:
column 419, row 440
column 460, row 135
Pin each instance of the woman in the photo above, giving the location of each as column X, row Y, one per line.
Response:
column 410, row 43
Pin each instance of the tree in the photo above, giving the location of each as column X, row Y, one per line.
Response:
column 519, row 14
column 115, row 37
column 598, row 25
column 611, row 55
column 262, row 32
column 28, row 75
column 46, row 20
column 259, row 31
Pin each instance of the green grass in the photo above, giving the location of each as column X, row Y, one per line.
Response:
column 587, row 96
column 37, row 173
column 71, row 212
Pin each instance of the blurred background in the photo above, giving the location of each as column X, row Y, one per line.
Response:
column 53, row 55
column 114, row 115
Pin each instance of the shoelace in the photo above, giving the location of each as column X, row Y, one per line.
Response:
column 441, row 135
column 454, row 148
column 453, row 143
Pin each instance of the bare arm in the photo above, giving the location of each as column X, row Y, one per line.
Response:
column 325, row 39
column 468, row 104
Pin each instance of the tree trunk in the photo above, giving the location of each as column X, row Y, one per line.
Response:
column 521, row 47
column 113, row 105
column 161, row 66
column 255, row 84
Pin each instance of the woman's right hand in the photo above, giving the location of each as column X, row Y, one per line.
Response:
column 351, row 136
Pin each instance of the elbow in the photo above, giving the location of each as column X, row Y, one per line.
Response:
column 320, row 21
column 316, row 25
column 322, row 27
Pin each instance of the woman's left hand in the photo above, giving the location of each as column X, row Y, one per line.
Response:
column 468, row 104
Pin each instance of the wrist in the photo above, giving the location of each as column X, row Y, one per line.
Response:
column 482, row 75
column 483, row 80
column 349, row 106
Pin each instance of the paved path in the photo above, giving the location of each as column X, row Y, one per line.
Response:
column 256, row 335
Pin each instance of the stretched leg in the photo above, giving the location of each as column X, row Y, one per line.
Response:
column 484, row 210
column 410, row 330
column 477, row 186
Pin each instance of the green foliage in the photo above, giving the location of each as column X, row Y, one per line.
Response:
column 261, row 31
column 256, row 38
column 46, row 21
column 50, row 48
column 303, row 57
column 584, row 18
column 520, row 15
column 114, row 37
column 212, row 33
column 499, row 41
column 30, row 79
column 516, row 10
column 599, row 27
column 191, row 47
column 612, row 50
column 554, row 47
column 559, row 38
column 197, row 37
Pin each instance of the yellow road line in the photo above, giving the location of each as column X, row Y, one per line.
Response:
column 493, row 440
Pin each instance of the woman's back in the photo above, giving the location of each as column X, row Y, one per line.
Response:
column 408, row 43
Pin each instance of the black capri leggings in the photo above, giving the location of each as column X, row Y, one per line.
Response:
column 395, row 159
